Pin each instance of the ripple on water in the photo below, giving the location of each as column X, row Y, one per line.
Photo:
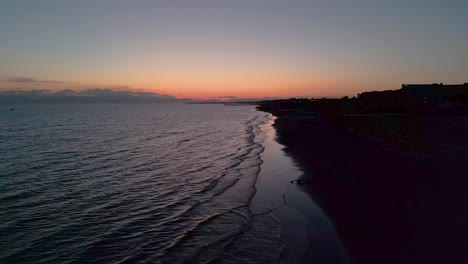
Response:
column 158, row 183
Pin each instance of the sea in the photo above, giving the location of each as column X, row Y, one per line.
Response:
column 153, row 183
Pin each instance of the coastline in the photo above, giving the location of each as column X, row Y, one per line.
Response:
column 305, row 232
column 388, row 204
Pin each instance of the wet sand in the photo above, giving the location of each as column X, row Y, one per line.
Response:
column 305, row 232
column 393, row 186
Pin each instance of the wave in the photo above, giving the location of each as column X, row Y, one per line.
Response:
column 128, row 188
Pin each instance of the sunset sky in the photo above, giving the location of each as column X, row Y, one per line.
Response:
column 242, row 48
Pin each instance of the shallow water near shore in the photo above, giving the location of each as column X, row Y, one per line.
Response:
column 152, row 183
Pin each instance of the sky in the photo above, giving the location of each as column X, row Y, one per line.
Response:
column 241, row 48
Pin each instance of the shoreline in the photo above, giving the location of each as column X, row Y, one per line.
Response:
column 389, row 205
column 304, row 230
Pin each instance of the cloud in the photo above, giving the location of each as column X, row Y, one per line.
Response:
column 108, row 94
column 91, row 95
column 27, row 80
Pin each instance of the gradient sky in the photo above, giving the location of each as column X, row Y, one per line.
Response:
column 243, row 48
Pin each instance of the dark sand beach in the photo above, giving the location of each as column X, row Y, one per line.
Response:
column 393, row 185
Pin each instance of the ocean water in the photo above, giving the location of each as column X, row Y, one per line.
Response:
column 149, row 183
column 129, row 183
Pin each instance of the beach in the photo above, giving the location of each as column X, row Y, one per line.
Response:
column 141, row 183
column 305, row 232
column 393, row 185
column 144, row 183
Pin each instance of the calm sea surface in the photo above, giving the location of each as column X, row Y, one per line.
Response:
column 130, row 183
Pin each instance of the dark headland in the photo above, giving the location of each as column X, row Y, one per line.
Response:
column 389, row 168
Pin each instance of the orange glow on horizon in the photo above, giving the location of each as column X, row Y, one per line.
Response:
column 252, row 91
